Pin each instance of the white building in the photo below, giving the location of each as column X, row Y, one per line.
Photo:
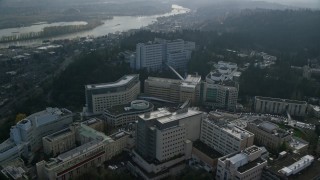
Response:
column 280, row 106
column 26, row 136
column 153, row 55
column 315, row 111
column 125, row 114
column 224, row 137
column 149, row 55
column 298, row 166
column 164, row 142
column 220, row 90
column 174, row 90
column 244, row 165
column 102, row 96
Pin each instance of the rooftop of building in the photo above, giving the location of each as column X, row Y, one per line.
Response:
column 193, row 79
column 6, row 145
column 92, row 133
column 310, row 172
column 58, row 134
column 251, row 165
column 281, row 100
column 298, row 165
column 177, row 116
column 161, row 112
column 121, row 82
column 270, row 128
column 297, row 143
column 230, row 128
column 316, row 108
column 164, row 80
column 119, row 135
column 252, row 150
column 92, row 121
column 46, row 116
column 212, row 153
column 133, row 107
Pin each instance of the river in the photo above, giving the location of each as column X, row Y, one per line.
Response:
column 117, row 24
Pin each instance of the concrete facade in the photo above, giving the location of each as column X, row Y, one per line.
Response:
column 102, row 96
column 244, row 165
column 280, row 106
column 223, row 137
column 268, row 134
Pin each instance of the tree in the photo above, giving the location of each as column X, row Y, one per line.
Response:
column 20, row 116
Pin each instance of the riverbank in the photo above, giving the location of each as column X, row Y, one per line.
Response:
column 52, row 31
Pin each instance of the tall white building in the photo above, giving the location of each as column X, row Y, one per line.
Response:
column 224, row 137
column 26, row 136
column 164, row 141
column 102, row 96
column 153, row 55
column 150, row 56
column 244, row 165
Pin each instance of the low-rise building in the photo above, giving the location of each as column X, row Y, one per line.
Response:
column 26, row 136
column 315, row 111
column 280, row 106
column 244, row 165
column 95, row 123
column 95, row 148
column 268, row 134
column 298, row 166
column 204, row 156
column 14, row 169
column 59, row 142
column 121, row 115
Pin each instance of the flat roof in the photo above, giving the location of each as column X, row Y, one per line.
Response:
column 155, row 114
column 176, row 116
column 126, row 108
column 166, row 80
column 59, row 134
column 122, row 81
column 251, row 165
column 193, row 78
column 316, row 108
column 280, row 100
column 230, row 128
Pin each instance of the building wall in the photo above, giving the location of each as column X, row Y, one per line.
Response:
column 277, row 107
column 149, row 56
column 266, row 139
column 222, row 141
column 219, row 96
column 100, row 102
column 170, row 142
column 193, row 126
column 227, row 169
column 124, row 118
column 75, row 166
column 56, row 146
column 205, row 158
column 163, row 89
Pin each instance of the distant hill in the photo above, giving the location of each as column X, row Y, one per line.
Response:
column 284, row 30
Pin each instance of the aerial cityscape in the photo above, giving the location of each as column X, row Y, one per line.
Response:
column 160, row 89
